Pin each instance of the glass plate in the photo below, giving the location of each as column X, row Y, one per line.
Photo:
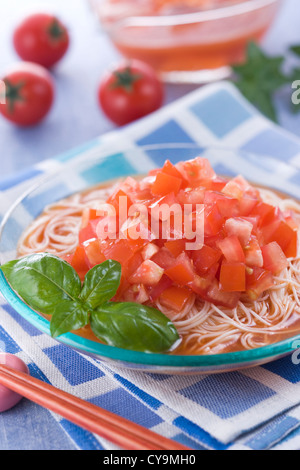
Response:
column 85, row 170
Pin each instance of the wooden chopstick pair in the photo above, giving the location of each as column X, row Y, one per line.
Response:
column 115, row 429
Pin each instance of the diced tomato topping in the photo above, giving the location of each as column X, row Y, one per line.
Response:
column 257, row 282
column 79, row 261
column 191, row 196
column 165, row 184
column 239, row 227
column 181, row 272
column 176, row 246
column 199, row 284
column 222, row 298
column 233, row 277
column 247, row 205
column 149, row 250
column 136, row 293
column 213, row 220
column 205, row 258
column 232, row 249
column 274, row 258
column 175, row 298
column 88, row 232
column 93, row 252
column 148, row 273
column 171, row 170
column 118, row 250
column 253, row 254
column 155, row 291
column 265, row 213
column 244, row 242
column 196, row 171
column 280, row 232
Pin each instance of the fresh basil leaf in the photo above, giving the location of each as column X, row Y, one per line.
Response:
column 129, row 325
column 259, row 77
column 68, row 315
column 101, row 283
column 43, row 281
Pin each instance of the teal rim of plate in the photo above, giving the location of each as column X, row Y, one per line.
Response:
column 136, row 357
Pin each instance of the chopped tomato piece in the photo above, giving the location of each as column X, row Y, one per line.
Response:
column 79, row 262
column 227, row 206
column 120, row 197
column 257, row 282
column 265, row 213
column 118, row 250
column 88, row 232
column 93, row 252
column 196, row 171
column 291, row 250
column 176, row 246
column 233, row 189
column 165, row 184
column 253, row 254
column 205, row 258
column 274, row 258
column 281, row 233
column 181, row 272
column 155, row 291
column 164, row 258
column 218, row 183
column 149, row 250
column 191, row 196
column 87, row 215
column 175, row 298
column 136, row 293
column 232, row 249
column 246, row 205
column 199, row 285
column 233, row 277
column 148, row 273
column 213, row 220
column 132, row 265
column 171, row 170
column 239, row 227
column 222, row 298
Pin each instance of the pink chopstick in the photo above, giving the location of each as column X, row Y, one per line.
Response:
column 116, row 429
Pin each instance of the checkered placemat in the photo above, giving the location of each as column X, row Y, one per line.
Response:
column 257, row 408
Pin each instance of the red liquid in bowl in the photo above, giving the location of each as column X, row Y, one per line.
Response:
column 207, row 44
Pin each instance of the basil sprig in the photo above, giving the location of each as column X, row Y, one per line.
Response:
column 50, row 285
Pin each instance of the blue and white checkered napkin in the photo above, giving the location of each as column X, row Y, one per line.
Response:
column 256, row 408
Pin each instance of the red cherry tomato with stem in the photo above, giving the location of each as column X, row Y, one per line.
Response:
column 29, row 94
column 130, row 91
column 41, row 38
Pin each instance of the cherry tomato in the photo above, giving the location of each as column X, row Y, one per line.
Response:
column 41, row 38
column 29, row 94
column 130, row 91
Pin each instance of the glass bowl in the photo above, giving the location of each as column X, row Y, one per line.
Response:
column 86, row 170
column 186, row 44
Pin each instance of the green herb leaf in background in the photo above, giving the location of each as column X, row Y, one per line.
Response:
column 51, row 286
column 259, row 77
column 133, row 326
